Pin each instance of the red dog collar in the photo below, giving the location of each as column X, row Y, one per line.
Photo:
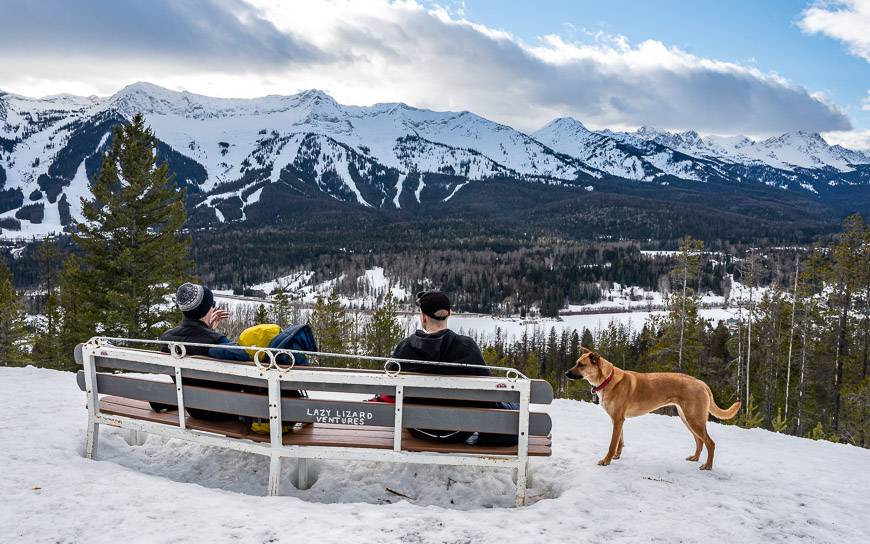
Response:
column 603, row 384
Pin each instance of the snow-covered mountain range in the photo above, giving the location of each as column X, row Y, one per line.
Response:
column 232, row 154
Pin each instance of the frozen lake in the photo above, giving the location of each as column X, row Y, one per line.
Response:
column 514, row 326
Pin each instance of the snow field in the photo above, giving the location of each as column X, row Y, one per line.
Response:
column 764, row 487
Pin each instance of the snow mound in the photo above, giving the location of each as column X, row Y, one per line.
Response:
column 765, row 487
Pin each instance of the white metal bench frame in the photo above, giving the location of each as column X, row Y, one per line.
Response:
column 274, row 374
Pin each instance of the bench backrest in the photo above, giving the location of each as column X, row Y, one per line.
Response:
column 427, row 411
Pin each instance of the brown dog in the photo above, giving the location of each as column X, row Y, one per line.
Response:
column 624, row 393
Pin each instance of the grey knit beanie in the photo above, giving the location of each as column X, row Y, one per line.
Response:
column 194, row 300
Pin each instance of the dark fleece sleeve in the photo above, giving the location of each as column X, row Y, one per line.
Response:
column 228, row 354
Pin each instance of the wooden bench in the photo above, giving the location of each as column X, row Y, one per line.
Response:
column 338, row 429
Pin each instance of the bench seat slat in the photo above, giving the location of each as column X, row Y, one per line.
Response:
column 314, row 435
column 322, row 411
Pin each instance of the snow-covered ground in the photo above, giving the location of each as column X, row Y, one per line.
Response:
column 373, row 282
column 764, row 487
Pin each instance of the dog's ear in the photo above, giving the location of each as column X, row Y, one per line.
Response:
column 584, row 351
column 594, row 358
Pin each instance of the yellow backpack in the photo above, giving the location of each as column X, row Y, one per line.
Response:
column 258, row 335
column 261, row 336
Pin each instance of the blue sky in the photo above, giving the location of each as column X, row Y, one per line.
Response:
column 761, row 33
column 764, row 34
column 727, row 67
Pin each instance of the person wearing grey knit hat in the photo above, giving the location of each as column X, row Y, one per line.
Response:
column 197, row 304
column 194, row 300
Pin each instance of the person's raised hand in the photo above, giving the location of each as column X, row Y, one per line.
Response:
column 218, row 316
column 214, row 317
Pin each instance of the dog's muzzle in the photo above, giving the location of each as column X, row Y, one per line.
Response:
column 571, row 376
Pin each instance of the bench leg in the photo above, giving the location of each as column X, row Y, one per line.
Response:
column 93, row 436
column 274, row 474
column 522, row 472
column 135, row 437
column 302, row 473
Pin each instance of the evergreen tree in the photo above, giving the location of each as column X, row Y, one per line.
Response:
column 491, row 356
column 14, row 336
column 134, row 252
column 587, row 340
column 383, row 331
column 281, row 307
column 261, row 316
column 849, row 276
column 688, row 267
column 331, row 326
column 77, row 325
column 47, row 345
column 532, row 367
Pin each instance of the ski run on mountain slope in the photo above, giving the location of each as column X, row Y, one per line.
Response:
column 225, row 149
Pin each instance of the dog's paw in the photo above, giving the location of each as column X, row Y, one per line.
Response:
column 706, row 467
column 692, row 458
column 604, row 462
column 617, row 456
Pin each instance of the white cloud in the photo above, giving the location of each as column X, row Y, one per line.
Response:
column 844, row 20
column 851, row 139
column 366, row 51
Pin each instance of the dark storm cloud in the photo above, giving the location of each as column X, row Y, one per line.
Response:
column 202, row 33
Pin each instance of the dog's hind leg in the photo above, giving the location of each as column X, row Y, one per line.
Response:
column 697, row 422
column 699, row 444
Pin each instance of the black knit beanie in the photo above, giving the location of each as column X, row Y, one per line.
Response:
column 193, row 300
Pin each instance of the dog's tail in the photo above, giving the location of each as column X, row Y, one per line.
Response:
column 719, row 412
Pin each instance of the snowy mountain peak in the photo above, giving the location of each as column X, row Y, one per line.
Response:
column 562, row 133
column 314, row 98
column 649, row 133
column 315, row 95
column 800, row 137
column 568, row 123
column 145, row 98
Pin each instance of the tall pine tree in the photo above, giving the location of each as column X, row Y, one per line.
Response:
column 383, row 331
column 331, row 326
column 281, row 307
column 47, row 345
column 14, row 335
column 134, row 252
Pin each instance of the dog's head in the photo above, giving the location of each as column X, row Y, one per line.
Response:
column 589, row 366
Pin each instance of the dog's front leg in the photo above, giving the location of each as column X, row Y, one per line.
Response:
column 614, row 441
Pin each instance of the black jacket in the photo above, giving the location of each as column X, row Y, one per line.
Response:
column 443, row 346
column 448, row 347
column 196, row 331
column 192, row 330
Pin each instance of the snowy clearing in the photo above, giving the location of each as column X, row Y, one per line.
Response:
column 765, row 487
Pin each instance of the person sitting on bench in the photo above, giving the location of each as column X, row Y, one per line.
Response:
column 437, row 343
column 197, row 305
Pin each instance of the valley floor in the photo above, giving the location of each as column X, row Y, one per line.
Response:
column 765, row 487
